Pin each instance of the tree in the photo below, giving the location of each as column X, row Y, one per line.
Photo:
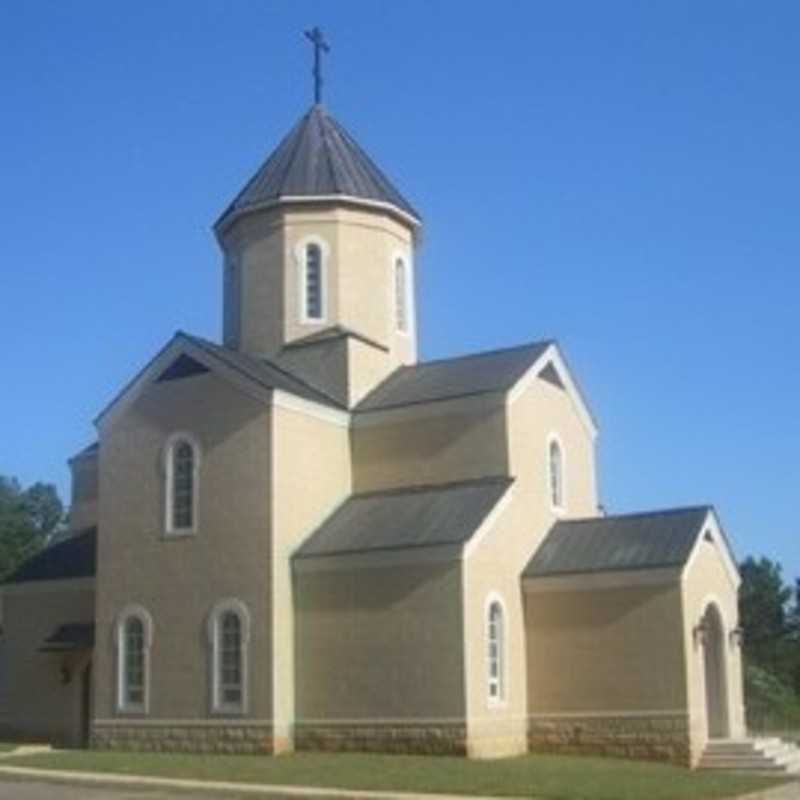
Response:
column 27, row 519
column 770, row 614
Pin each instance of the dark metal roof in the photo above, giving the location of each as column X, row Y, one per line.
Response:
column 318, row 158
column 90, row 451
column 264, row 372
column 423, row 516
column 74, row 557
column 493, row 371
column 633, row 541
column 72, row 636
column 333, row 333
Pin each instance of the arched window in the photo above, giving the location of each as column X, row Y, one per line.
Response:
column 134, row 636
column 495, row 643
column 555, row 470
column 401, row 295
column 313, row 282
column 182, row 456
column 229, row 632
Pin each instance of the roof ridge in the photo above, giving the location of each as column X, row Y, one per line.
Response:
column 428, row 487
column 483, row 353
column 659, row 512
column 303, row 123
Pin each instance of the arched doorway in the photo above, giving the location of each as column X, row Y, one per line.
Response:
column 715, row 673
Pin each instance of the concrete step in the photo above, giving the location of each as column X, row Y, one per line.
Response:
column 759, row 764
column 762, row 755
column 741, row 745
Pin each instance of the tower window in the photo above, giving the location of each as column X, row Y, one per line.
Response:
column 313, row 282
column 401, row 295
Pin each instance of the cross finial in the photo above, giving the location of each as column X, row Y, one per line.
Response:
column 317, row 38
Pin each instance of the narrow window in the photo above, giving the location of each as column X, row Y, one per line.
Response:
column 313, row 282
column 495, row 640
column 401, row 295
column 230, row 656
column 228, row 635
column 182, row 457
column 134, row 663
column 556, row 474
column 134, row 634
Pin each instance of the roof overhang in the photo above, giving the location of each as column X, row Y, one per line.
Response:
column 70, row 637
column 608, row 579
column 231, row 217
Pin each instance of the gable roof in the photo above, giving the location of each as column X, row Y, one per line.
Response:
column 398, row 519
column 444, row 379
column 74, row 557
column 649, row 540
column 264, row 372
column 318, row 158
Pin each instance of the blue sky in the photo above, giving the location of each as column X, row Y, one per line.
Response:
column 622, row 176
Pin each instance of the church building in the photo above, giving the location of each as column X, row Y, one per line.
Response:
column 305, row 538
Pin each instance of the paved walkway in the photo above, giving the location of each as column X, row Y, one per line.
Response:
column 39, row 790
column 109, row 780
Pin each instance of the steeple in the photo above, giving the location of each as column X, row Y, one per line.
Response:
column 319, row 262
column 319, row 160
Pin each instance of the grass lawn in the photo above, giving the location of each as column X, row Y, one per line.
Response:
column 6, row 747
column 550, row 777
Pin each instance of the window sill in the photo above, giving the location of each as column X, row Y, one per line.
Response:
column 183, row 533
column 228, row 711
column 131, row 711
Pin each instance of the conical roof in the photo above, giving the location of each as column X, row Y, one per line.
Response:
column 318, row 158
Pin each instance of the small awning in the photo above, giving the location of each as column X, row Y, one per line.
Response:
column 73, row 636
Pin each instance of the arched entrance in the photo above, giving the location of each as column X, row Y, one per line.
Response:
column 715, row 673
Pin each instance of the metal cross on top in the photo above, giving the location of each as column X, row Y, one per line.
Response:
column 317, row 38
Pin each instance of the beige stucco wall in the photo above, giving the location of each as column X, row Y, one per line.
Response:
column 438, row 442
column 493, row 565
column 253, row 311
column 38, row 704
column 707, row 581
column 311, row 476
column 83, row 505
column 262, row 306
column 380, row 643
column 179, row 579
column 614, row 650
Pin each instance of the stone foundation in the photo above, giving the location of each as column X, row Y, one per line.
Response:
column 186, row 738
column 379, row 737
column 650, row 738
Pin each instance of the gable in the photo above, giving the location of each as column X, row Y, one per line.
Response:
column 186, row 355
column 552, row 368
column 182, row 367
